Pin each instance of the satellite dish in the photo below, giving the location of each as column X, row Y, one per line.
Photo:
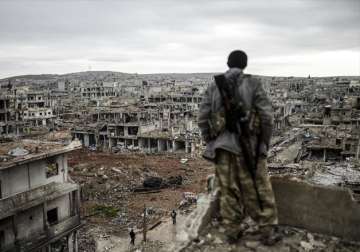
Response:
column 18, row 152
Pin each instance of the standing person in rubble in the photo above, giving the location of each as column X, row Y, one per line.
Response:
column 132, row 237
column 173, row 216
column 244, row 190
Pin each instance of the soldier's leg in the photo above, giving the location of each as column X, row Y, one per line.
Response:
column 231, row 210
column 268, row 214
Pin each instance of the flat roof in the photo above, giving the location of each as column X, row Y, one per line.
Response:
column 32, row 150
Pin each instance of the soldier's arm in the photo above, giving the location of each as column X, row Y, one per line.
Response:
column 264, row 109
column 204, row 115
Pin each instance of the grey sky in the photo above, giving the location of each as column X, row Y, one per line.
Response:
column 290, row 37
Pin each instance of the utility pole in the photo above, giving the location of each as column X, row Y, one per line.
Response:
column 358, row 149
column 144, row 225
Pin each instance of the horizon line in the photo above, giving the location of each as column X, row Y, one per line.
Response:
column 159, row 73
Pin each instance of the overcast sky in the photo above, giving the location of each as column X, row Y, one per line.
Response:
column 288, row 38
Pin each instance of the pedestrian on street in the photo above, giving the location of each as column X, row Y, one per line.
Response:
column 173, row 216
column 132, row 237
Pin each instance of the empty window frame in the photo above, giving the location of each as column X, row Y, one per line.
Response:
column 338, row 141
column 347, row 147
column 52, row 168
column 52, row 216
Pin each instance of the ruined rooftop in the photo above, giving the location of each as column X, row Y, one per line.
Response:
column 26, row 150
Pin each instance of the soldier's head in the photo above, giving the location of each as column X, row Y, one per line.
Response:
column 237, row 59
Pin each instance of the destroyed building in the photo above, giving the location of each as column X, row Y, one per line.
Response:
column 11, row 123
column 97, row 90
column 158, row 120
column 315, row 140
column 5, row 115
column 38, row 110
column 39, row 203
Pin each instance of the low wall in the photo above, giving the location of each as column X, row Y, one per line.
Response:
column 327, row 210
column 319, row 209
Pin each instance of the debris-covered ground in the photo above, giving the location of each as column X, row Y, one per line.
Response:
column 293, row 240
column 116, row 187
column 114, row 193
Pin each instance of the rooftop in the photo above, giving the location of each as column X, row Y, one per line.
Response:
column 25, row 150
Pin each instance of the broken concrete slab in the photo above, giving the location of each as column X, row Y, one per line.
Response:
column 321, row 209
column 197, row 221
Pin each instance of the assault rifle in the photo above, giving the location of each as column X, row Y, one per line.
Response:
column 237, row 121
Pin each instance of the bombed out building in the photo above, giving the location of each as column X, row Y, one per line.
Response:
column 39, row 203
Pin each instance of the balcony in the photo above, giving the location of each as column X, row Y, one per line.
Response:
column 44, row 238
column 63, row 226
column 25, row 200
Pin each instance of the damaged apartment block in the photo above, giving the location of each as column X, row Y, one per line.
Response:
column 39, row 203
column 11, row 123
column 163, row 119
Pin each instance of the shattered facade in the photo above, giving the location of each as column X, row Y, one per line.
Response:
column 11, row 120
column 39, row 203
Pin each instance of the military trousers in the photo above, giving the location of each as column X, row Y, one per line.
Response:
column 238, row 197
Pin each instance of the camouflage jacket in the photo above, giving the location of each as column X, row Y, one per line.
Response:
column 211, row 118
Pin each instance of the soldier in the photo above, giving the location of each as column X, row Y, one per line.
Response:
column 237, row 127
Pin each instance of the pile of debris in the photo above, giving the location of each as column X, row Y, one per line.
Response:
column 86, row 241
column 293, row 240
column 156, row 183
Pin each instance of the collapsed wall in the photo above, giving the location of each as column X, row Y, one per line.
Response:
column 321, row 209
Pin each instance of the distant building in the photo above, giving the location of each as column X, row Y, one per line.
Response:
column 5, row 127
column 10, row 117
column 97, row 90
column 38, row 111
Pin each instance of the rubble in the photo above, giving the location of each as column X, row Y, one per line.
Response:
column 121, row 195
column 203, row 232
column 143, row 146
column 18, row 152
column 153, row 182
column 157, row 182
column 294, row 240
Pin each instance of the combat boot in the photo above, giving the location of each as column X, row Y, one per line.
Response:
column 270, row 235
column 235, row 233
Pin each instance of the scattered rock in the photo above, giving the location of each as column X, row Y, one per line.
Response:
column 222, row 230
column 217, row 240
column 252, row 244
column 116, row 170
column 175, row 180
column 184, row 160
column 319, row 244
column 18, row 151
column 306, row 245
column 310, row 237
